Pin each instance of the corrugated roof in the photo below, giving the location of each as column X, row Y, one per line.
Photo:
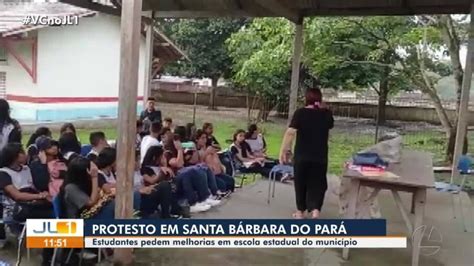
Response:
column 12, row 15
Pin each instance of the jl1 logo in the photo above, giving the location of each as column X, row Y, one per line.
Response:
column 54, row 227
column 60, row 228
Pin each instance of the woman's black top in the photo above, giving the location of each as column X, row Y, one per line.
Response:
column 312, row 125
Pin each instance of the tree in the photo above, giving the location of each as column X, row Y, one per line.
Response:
column 261, row 54
column 357, row 52
column 203, row 40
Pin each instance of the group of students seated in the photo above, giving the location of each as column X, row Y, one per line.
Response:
column 178, row 171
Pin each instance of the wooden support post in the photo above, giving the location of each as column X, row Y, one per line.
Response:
column 149, row 44
column 127, row 115
column 295, row 71
column 464, row 106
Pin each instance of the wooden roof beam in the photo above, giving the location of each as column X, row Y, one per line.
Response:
column 199, row 14
column 280, row 10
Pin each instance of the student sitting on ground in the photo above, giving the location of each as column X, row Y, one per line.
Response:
column 168, row 123
column 159, row 181
column 67, row 128
column 208, row 128
column 106, row 162
column 80, row 195
column 150, row 140
column 99, row 142
column 21, row 200
column 209, row 156
column 31, row 149
column 192, row 182
column 68, row 142
column 191, row 159
column 165, row 135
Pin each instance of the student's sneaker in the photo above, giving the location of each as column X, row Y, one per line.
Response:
column 199, row 207
column 213, row 202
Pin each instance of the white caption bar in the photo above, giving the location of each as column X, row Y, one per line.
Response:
column 245, row 242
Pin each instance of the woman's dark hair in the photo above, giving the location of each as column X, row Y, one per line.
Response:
column 68, row 142
column 251, row 129
column 239, row 131
column 198, row 135
column 163, row 132
column 5, row 112
column 206, row 126
column 181, row 132
column 10, row 154
column 41, row 131
column 77, row 174
column 313, row 96
column 67, row 126
column 152, row 156
column 106, row 158
column 190, row 130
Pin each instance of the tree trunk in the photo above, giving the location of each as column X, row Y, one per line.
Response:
column 452, row 41
column 440, row 111
column 383, row 97
column 451, row 144
column 212, row 94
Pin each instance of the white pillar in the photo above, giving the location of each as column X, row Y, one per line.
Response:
column 295, row 71
column 148, row 62
column 464, row 105
column 127, row 114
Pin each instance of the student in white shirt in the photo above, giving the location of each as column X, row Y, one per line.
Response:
column 150, row 140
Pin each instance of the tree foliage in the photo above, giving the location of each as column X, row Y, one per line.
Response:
column 203, row 41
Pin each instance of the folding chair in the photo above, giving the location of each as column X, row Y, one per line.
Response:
column 227, row 160
column 464, row 170
column 280, row 168
column 85, row 149
column 21, row 238
column 57, row 214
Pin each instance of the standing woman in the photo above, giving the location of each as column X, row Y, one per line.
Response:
column 10, row 130
column 310, row 125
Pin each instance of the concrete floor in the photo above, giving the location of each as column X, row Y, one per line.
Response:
column 457, row 247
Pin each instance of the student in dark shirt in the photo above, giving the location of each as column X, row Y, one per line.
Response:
column 208, row 128
column 151, row 113
column 310, row 125
column 10, row 130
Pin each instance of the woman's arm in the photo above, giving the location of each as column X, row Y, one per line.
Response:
column 286, row 145
column 108, row 188
column 150, row 179
column 178, row 162
column 94, row 197
column 16, row 195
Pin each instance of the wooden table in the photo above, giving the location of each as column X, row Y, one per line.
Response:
column 416, row 175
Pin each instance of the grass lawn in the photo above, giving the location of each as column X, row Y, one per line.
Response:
column 342, row 144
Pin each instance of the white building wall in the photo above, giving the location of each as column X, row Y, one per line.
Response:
column 83, row 60
column 18, row 81
column 73, row 61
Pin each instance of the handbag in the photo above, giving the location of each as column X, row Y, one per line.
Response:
column 368, row 159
